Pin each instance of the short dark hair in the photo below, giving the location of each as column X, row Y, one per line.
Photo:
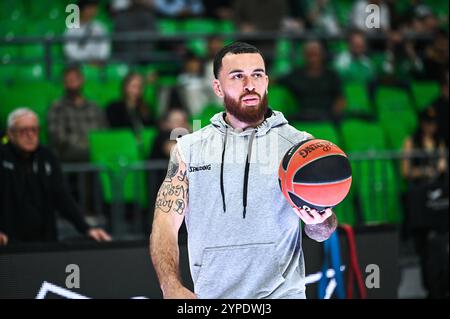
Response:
column 233, row 48
column 72, row 68
column 82, row 4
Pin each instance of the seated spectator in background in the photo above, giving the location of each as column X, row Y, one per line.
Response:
column 400, row 61
column 32, row 189
column 70, row 119
column 321, row 17
column 427, row 216
column 133, row 16
column 440, row 107
column 254, row 15
column 419, row 18
column 174, row 123
column 354, row 65
column 426, row 138
column 179, row 8
column 317, row 89
column 86, row 49
column 435, row 57
column 130, row 111
column 194, row 93
column 259, row 16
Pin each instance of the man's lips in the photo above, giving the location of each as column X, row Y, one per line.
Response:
column 251, row 100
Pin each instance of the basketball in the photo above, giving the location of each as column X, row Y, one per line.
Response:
column 315, row 174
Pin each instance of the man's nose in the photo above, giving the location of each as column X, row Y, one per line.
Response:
column 248, row 84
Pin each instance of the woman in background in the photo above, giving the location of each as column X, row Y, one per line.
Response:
column 130, row 111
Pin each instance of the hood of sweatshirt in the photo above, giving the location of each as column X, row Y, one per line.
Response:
column 272, row 119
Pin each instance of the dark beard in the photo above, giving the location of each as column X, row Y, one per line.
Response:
column 246, row 114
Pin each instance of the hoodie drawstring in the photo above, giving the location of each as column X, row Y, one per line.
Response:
column 246, row 172
column 247, row 169
column 221, row 170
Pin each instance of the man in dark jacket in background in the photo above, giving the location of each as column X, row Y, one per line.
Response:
column 32, row 187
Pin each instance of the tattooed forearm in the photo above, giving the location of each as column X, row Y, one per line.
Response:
column 321, row 232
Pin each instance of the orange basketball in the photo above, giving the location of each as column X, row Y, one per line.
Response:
column 315, row 173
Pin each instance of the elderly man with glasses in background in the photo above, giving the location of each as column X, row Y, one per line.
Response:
column 32, row 189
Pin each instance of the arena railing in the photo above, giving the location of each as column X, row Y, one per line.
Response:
column 376, row 195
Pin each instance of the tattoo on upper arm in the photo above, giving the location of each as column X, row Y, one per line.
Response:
column 172, row 170
column 173, row 196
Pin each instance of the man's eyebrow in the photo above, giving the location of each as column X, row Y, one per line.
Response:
column 239, row 71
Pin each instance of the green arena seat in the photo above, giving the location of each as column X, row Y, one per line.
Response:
column 322, row 130
column 102, row 92
column 208, row 112
column 425, row 92
column 357, row 98
column 281, row 99
column 168, row 26
column 396, row 115
column 146, row 141
column 207, row 26
column 375, row 181
column 116, row 150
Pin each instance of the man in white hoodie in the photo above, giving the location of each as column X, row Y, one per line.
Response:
column 244, row 239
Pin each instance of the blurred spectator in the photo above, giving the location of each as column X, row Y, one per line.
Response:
column 316, row 88
column 420, row 19
column 258, row 16
column 254, row 15
column 86, row 49
column 440, row 107
column 400, row 61
column 192, row 89
column 435, row 57
column 130, row 111
column 355, row 65
column 71, row 118
column 133, row 16
column 321, row 17
column 218, row 9
column 359, row 15
column 179, row 8
column 427, row 203
column 174, row 123
column 32, row 190
column 425, row 138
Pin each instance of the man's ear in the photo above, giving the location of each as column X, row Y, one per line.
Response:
column 217, row 88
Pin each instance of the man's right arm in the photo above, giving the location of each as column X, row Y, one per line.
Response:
column 171, row 203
